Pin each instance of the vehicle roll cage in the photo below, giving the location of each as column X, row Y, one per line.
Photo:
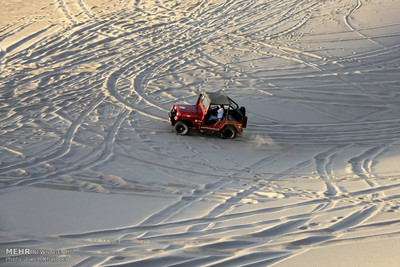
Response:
column 209, row 99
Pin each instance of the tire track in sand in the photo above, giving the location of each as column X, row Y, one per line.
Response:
column 67, row 142
column 96, row 157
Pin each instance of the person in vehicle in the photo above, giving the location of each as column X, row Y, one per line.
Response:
column 220, row 112
column 212, row 118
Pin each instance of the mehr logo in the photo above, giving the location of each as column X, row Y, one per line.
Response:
column 18, row 251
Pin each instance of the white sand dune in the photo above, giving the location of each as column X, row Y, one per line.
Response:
column 91, row 170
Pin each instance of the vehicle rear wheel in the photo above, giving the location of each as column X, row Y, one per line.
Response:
column 228, row 132
column 181, row 128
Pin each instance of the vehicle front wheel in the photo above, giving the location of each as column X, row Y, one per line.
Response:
column 181, row 128
column 228, row 132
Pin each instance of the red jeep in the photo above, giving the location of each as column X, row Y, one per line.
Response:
column 205, row 117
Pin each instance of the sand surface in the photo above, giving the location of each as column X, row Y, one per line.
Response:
column 91, row 172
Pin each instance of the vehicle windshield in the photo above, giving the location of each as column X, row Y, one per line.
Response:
column 205, row 101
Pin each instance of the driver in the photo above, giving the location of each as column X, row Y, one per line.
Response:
column 220, row 112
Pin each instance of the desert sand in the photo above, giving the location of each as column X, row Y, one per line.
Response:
column 91, row 173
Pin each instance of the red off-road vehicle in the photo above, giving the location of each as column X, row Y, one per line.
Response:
column 204, row 116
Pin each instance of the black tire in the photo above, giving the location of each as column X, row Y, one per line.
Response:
column 181, row 128
column 229, row 132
